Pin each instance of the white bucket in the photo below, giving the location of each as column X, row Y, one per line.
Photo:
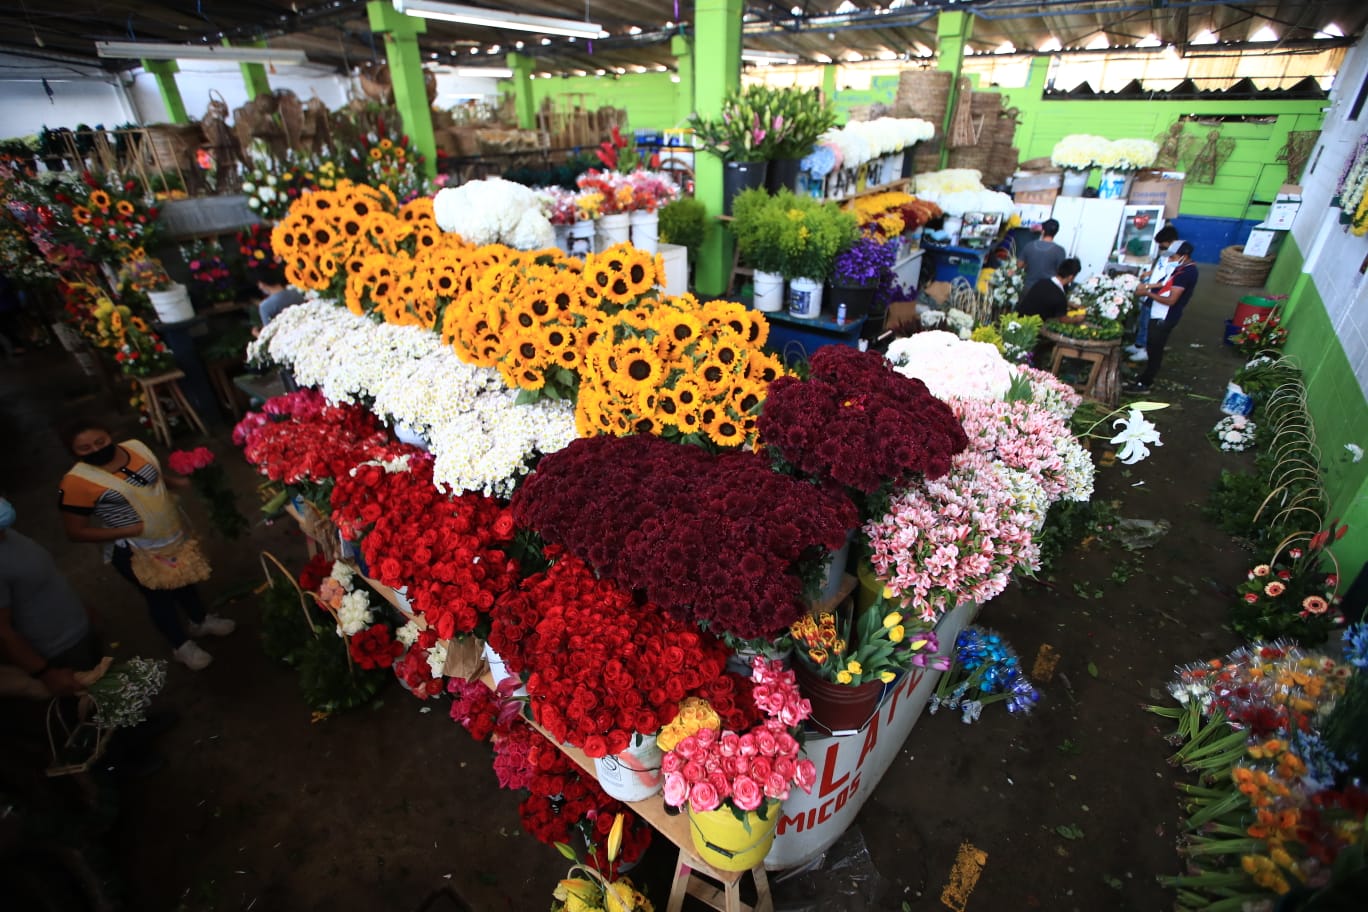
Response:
column 172, row 305
column 562, row 237
column 635, row 773
column 614, row 229
column 805, row 299
column 769, row 291
column 498, row 670
column 1115, row 185
column 1075, row 181
column 836, row 570
column 582, row 235
column 407, row 433
column 646, row 231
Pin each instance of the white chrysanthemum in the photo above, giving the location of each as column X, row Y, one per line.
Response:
column 354, row 615
column 533, row 232
column 1028, row 496
column 950, row 366
column 343, row 573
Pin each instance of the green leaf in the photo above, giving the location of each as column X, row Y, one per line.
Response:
column 1147, row 406
column 564, row 377
column 1069, row 831
column 526, row 397
column 1092, row 669
column 566, row 851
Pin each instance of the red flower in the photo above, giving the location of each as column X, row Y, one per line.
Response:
column 373, row 647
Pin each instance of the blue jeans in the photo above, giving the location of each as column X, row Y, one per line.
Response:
column 1142, row 330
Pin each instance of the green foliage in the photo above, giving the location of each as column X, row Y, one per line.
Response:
column 1105, row 329
column 684, row 222
column 795, row 236
column 1018, row 336
column 562, row 175
column 283, row 628
column 1261, row 376
column 1234, row 500
column 760, row 123
column 326, row 680
column 1346, row 729
column 1066, row 526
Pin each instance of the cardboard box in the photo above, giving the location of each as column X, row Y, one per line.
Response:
column 1284, row 210
column 1158, row 188
column 1260, row 242
column 1036, row 197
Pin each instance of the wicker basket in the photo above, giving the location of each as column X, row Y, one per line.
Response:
column 924, row 94
column 977, row 157
column 172, row 147
column 1244, row 271
column 926, row 157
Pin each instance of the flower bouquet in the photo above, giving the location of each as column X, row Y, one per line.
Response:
column 211, row 482
column 873, row 647
column 1079, row 151
column 110, row 215
column 272, row 185
column 1260, row 333
column 595, row 891
column 1091, row 332
column 387, row 159
column 1005, row 286
column 421, row 667
column 209, row 270
column 123, row 693
column 950, row 366
column 1107, row 299
column 254, row 245
column 985, row 670
column 1128, row 154
column 863, row 264
column 1233, row 434
column 713, row 538
column 857, row 422
column 733, row 783
column 1292, row 595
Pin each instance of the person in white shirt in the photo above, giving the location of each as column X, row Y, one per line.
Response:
column 1168, row 240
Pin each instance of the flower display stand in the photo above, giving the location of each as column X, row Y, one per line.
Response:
column 157, row 416
column 1104, row 378
column 689, row 880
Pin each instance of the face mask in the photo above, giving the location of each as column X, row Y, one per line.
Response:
column 7, row 514
column 103, row 455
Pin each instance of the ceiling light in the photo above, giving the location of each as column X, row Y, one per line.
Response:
column 1149, row 41
column 1005, row 48
column 581, row 73
column 1099, row 43
column 638, row 69
column 484, row 72
column 545, row 42
column 768, row 56
column 923, row 50
column 518, row 22
column 1330, row 31
column 519, row 46
column 160, row 50
column 662, row 68
column 494, row 50
column 797, row 11
column 888, row 55
column 1205, row 36
column 854, row 56
column 1050, row 46
column 600, row 72
column 1264, row 34
column 821, row 58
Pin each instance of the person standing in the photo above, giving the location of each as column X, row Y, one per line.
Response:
column 1170, row 298
column 1168, row 240
column 1049, row 298
column 270, row 280
column 116, row 496
column 1041, row 258
column 45, row 632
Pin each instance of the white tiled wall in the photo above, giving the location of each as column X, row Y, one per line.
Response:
column 1333, row 255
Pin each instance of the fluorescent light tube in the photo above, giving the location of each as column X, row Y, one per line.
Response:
column 768, row 57
column 484, row 72
column 160, row 50
column 473, row 15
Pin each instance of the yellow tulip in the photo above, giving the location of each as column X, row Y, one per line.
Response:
column 888, row 592
column 887, row 677
column 854, row 667
column 843, row 677
column 918, row 643
column 892, row 619
column 897, row 633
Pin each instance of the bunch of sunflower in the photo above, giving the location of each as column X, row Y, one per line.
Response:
column 110, row 214
column 389, row 160
column 673, row 368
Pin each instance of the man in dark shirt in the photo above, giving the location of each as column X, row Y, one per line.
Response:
column 1049, row 298
column 1041, row 258
column 1170, row 298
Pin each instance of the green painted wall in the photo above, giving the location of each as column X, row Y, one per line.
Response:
column 649, row 98
column 1337, row 402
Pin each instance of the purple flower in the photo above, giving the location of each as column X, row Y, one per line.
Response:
column 866, row 263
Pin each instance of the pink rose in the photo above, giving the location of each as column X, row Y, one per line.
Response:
column 706, row 737
column 671, row 763
column 730, row 745
column 767, row 743
column 746, row 794
column 703, row 797
column 805, row 774
column 760, row 768
column 748, row 747
column 742, row 765
column 787, row 744
column 776, row 786
column 728, row 766
column 693, row 771
column 721, row 783
column 783, row 766
column 676, row 790
column 687, row 748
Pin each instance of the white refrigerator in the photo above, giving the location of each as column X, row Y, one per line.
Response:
column 1088, row 229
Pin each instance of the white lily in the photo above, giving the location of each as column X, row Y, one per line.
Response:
column 1136, row 431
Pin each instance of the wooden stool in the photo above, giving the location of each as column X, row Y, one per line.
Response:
column 221, row 380
column 1094, row 358
column 168, row 381
column 689, row 880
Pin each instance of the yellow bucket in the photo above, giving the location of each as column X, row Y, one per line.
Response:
column 729, row 844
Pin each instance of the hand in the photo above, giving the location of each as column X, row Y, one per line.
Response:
column 60, row 682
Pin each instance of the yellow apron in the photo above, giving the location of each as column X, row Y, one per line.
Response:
column 165, row 556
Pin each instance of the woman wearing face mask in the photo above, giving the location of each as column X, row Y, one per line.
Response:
column 116, row 495
column 1168, row 240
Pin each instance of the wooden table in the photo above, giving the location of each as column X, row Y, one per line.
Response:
column 1104, row 378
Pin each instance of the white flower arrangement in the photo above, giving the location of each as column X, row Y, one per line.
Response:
column 949, row 180
column 354, row 615
column 494, row 211
column 1028, row 496
column 408, row 633
column 482, row 440
column 1080, row 151
column 862, row 141
column 961, row 190
column 436, row 659
column 343, row 573
column 1129, row 154
column 1234, row 433
column 1106, row 297
column 1079, row 471
column 952, row 367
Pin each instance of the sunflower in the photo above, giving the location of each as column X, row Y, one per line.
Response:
column 745, row 396
column 124, row 208
column 689, row 396
column 99, row 199
column 556, row 339
column 688, row 422
column 680, row 328
column 527, row 347
column 640, row 270
column 81, row 214
column 667, row 406
column 764, row 368
column 714, row 376
column 725, row 431
column 756, row 329
column 727, row 348
column 638, row 318
column 637, row 366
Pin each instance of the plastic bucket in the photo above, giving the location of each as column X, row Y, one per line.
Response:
column 738, row 176
column 172, row 305
column 582, row 238
column 646, row 231
column 1115, row 185
column 836, row 570
column 1251, row 306
column 614, row 229
column 782, row 174
column 839, row 708
column 729, row 844
column 768, row 291
column 633, row 774
column 805, row 298
column 1075, row 181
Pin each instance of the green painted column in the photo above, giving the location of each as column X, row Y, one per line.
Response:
column 405, row 60
column 253, row 74
column 829, row 82
column 524, row 104
column 165, row 73
column 717, row 71
column 952, row 34
column 683, row 51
